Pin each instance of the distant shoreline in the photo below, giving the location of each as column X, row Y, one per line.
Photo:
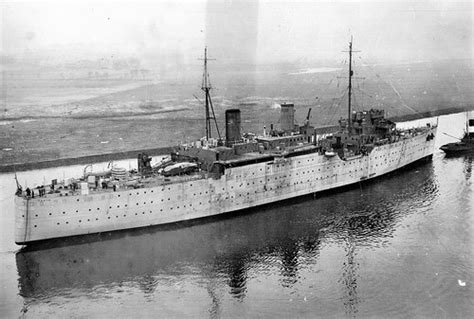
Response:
column 93, row 158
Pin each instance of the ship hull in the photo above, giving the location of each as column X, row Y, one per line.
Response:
column 237, row 189
column 458, row 148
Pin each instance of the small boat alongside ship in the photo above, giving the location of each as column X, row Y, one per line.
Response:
column 466, row 143
column 217, row 175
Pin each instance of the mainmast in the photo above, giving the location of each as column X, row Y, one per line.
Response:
column 206, row 87
column 349, row 107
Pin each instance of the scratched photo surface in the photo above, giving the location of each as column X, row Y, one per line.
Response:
column 85, row 83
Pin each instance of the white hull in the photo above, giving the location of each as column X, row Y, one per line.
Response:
column 239, row 188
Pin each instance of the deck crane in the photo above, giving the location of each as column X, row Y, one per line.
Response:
column 307, row 117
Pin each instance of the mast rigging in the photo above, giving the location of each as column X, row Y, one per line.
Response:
column 206, row 87
column 349, row 105
column 349, row 117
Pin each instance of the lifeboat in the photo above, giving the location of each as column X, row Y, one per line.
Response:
column 118, row 172
column 179, row 168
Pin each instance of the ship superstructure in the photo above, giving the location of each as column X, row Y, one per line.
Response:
column 214, row 176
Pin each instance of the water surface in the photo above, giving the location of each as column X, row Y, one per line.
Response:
column 400, row 246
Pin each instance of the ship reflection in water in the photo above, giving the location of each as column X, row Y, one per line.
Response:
column 277, row 247
column 468, row 166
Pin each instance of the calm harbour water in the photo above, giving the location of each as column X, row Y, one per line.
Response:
column 400, row 246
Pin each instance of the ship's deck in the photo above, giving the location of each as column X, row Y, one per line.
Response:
column 135, row 180
column 132, row 182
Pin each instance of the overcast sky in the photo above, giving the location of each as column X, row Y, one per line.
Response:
column 262, row 31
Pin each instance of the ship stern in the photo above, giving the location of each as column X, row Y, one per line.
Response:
column 22, row 231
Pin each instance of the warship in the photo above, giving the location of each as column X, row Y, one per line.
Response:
column 217, row 175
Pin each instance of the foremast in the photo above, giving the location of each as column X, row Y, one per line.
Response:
column 349, row 100
column 349, row 106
